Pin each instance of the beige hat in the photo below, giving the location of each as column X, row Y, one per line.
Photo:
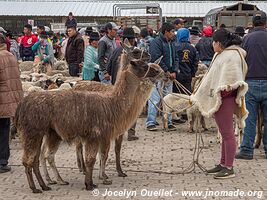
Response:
column 136, row 30
column 2, row 29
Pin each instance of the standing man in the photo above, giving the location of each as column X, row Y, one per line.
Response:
column 179, row 23
column 10, row 94
column 27, row 41
column 74, row 51
column 112, row 68
column 255, row 44
column 71, row 21
column 106, row 46
column 163, row 45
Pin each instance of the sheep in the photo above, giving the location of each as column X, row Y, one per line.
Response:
column 38, row 115
column 26, row 66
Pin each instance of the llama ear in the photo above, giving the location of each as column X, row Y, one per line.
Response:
column 158, row 60
column 127, row 48
column 126, row 41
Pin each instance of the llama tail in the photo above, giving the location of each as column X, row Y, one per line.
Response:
column 16, row 118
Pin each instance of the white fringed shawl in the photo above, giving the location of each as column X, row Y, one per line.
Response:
column 227, row 72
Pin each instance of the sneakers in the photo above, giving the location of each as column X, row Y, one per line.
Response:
column 172, row 128
column 4, row 168
column 244, row 156
column 225, row 173
column 152, row 128
column 215, row 170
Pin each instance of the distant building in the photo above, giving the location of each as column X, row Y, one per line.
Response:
column 15, row 13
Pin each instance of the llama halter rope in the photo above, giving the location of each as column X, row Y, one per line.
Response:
column 199, row 142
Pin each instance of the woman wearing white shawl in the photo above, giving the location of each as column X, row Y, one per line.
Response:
column 221, row 94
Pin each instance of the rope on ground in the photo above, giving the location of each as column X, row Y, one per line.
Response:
column 199, row 142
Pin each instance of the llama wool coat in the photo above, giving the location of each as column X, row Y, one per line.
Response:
column 227, row 72
column 10, row 85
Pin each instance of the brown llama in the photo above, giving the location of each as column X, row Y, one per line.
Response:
column 42, row 113
column 49, row 149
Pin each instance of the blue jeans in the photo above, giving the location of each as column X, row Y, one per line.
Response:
column 74, row 70
column 101, row 77
column 155, row 98
column 255, row 97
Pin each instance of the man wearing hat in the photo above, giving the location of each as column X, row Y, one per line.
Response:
column 86, row 36
column 106, row 46
column 194, row 35
column 179, row 23
column 255, row 44
column 239, row 30
column 112, row 67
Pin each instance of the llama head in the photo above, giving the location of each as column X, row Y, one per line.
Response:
column 141, row 69
column 131, row 53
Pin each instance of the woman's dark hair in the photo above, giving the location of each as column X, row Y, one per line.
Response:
column 226, row 38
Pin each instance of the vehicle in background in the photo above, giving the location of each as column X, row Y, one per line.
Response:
column 198, row 23
column 239, row 14
column 60, row 27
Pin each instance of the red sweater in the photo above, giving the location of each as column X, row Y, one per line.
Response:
column 28, row 40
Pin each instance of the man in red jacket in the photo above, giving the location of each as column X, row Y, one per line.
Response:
column 27, row 41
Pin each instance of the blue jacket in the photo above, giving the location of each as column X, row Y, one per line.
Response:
column 160, row 46
column 187, row 54
column 255, row 44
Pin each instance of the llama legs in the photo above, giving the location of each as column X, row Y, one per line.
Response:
column 43, row 158
column 53, row 142
column 118, row 143
column 91, row 149
column 79, row 155
column 104, row 149
column 30, row 160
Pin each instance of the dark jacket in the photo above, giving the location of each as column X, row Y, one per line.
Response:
column 187, row 55
column 205, row 49
column 106, row 46
column 255, row 44
column 75, row 50
column 113, row 66
column 160, row 46
column 72, row 22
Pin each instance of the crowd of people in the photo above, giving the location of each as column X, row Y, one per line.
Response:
column 95, row 55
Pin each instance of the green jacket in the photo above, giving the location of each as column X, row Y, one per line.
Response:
column 90, row 65
column 45, row 50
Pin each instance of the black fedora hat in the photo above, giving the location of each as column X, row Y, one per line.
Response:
column 43, row 34
column 94, row 36
column 240, row 30
column 194, row 30
column 128, row 33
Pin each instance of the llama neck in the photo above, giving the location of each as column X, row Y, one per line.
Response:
column 128, row 117
column 126, row 86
